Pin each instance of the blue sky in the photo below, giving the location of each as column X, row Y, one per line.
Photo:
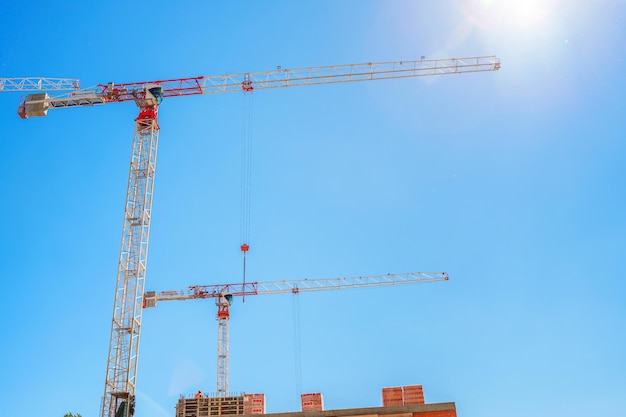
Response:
column 510, row 181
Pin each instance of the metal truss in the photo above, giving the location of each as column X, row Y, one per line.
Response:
column 121, row 375
column 293, row 286
column 38, row 84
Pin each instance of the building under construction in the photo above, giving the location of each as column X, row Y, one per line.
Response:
column 407, row 401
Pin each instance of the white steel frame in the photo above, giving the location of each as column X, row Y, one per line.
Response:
column 294, row 286
column 347, row 73
column 121, row 372
column 38, row 84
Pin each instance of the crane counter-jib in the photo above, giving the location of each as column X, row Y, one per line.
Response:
column 38, row 84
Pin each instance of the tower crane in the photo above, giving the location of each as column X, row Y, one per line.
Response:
column 37, row 83
column 121, row 373
column 224, row 293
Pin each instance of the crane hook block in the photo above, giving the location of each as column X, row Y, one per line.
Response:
column 247, row 86
column 245, row 247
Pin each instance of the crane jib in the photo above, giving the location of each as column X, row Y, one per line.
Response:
column 291, row 286
column 37, row 105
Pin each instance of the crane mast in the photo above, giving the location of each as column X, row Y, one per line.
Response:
column 224, row 293
column 121, row 374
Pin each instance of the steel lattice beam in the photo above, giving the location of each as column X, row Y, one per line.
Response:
column 346, row 73
column 292, row 286
column 227, row 83
column 121, row 375
column 38, row 84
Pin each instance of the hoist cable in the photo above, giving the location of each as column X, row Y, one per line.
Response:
column 246, row 166
column 297, row 343
column 246, row 174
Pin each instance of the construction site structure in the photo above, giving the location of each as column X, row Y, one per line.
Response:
column 223, row 295
column 121, row 373
column 231, row 405
column 409, row 394
column 38, row 84
column 313, row 401
column 405, row 401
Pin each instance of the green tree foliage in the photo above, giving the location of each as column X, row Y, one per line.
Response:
column 72, row 415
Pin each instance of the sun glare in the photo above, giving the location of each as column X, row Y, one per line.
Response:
column 530, row 17
column 527, row 13
column 520, row 21
column 518, row 13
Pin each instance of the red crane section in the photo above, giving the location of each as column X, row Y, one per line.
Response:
column 133, row 91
